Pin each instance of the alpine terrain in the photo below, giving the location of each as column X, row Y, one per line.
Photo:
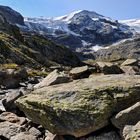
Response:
column 74, row 77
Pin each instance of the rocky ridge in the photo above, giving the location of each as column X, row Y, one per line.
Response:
column 95, row 106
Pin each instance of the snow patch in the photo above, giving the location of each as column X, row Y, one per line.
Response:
column 96, row 48
column 84, row 43
column 95, row 19
column 67, row 18
column 133, row 23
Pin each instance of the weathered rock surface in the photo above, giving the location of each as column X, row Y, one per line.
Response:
column 109, row 68
column 131, row 132
column 53, row 78
column 81, row 72
column 132, row 70
column 9, row 101
column 130, row 62
column 129, row 116
column 24, row 136
column 50, row 136
column 34, row 131
column 13, row 118
column 83, row 106
column 7, row 129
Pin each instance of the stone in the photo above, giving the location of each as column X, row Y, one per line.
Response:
column 9, row 101
column 34, row 80
column 22, row 73
column 131, row 132
column 53, row 78
column 7, row 79
column 13, row 118
column 10, row 78
column 82, row 106
column 24, row 136
column 109, row 68
column 129, row 116
column 8, row 129
column 34, row 131
column 81, row 72
column 50, row 136
column 130, row 62
column 133, row 70
column 105, row 136
column 2, row 109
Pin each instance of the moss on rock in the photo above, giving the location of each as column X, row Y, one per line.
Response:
column 80, row 107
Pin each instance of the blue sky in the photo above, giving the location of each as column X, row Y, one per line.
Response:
column 116, row 9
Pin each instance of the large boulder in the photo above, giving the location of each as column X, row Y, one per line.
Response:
column 53, row 78
column 109, row 68
column 129, row 116
column 10, row 78
column 82, row 72
column 9, row 101
column 83, row 106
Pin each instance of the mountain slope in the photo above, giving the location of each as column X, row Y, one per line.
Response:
column 129, row 48
column 11, row 15
column 31, row 49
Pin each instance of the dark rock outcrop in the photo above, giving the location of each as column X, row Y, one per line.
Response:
column 108, row 68
column 82, row 72
column 10, row 78
column 11, row 15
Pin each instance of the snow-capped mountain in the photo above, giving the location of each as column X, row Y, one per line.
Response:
column 133, row 23
column 82, row 31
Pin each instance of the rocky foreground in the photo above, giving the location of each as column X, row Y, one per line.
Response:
column 98, row 102
column 81, row 107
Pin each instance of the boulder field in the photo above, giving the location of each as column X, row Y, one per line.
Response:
column 82, row 106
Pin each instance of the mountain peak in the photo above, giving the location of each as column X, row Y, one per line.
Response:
column 67, row 18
